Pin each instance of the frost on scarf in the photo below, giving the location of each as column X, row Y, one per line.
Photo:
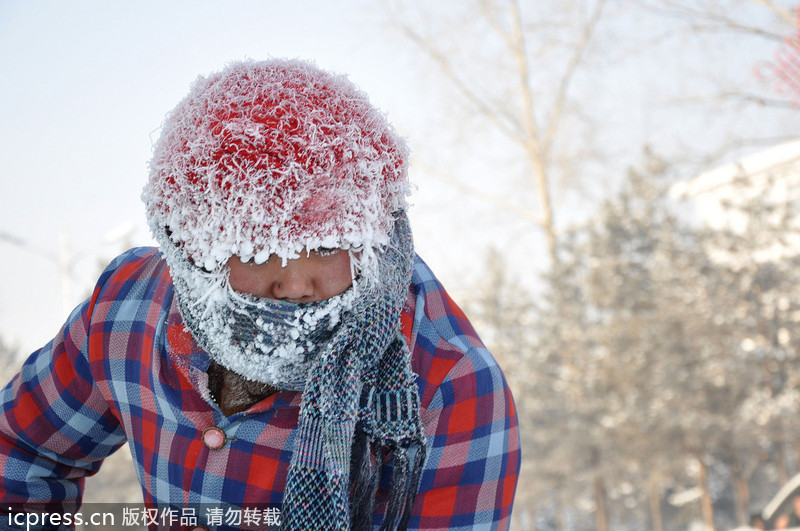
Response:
column 275, row 157
column 270, row 341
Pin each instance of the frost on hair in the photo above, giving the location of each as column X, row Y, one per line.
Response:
column 275, row 157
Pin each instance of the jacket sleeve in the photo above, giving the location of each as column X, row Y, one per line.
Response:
column 473, row 460
column 55, row 425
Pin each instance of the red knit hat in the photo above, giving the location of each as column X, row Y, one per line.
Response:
column 274, row 157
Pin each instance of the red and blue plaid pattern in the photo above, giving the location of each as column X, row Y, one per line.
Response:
column 124, row 369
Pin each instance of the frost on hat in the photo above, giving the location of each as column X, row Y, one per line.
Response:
column 274, row 157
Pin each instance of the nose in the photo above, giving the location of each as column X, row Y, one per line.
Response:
column 292, row 282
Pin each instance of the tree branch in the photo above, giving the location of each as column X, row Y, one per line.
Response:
column 710, row 20
column 569, row 74
column 784, row 14
column 508, row 124
column 488, row 197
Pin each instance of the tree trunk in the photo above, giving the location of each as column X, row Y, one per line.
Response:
column 783, row 469
column 742, row 492
column 655, row 505
column 561, row 524
column 705, row 497
column 600, row 505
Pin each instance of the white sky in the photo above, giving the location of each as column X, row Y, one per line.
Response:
column 85, row 86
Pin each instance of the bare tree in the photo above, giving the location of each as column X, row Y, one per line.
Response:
column 544, row 78
column 524, row 46
column 770, row 21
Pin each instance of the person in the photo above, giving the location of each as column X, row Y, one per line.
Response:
column 284, row 345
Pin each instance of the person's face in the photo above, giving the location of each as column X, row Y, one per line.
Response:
column 314, row 277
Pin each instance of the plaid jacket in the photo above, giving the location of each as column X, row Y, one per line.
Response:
column 124, row 369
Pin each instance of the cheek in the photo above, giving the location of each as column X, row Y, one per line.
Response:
column 243, row 281
column 334, row 276
column 251, row 279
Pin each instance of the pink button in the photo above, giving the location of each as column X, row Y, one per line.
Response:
column 214, row 438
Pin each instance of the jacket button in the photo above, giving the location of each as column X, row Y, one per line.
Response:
column 214, row 438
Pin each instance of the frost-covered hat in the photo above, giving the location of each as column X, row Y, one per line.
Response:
column 275, row 157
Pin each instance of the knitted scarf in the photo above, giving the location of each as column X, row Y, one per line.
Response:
column 360, row 404
column 265, row 340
